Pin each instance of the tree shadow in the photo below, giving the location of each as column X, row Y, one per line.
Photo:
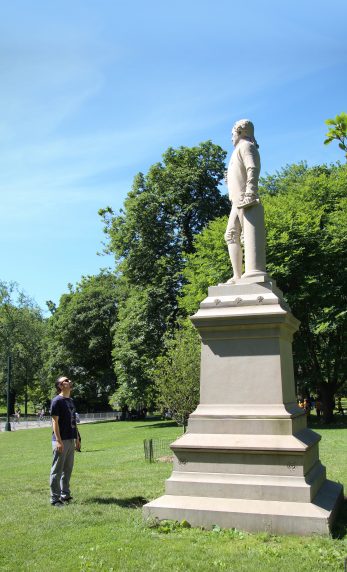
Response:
column 158, row 425
column 339, row 422
column 339, row 529
column 132, row 502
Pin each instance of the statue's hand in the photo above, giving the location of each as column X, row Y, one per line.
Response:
column 248, row 202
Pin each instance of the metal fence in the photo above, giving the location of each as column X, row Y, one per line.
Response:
column 45, row 421
column 156, row 449
column 105, row 416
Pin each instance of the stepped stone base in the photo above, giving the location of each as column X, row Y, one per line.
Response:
column 248, row 460
column 246, row 486
column 275, row 517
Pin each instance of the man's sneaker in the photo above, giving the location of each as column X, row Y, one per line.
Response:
column 57, row 504
column 66, row 499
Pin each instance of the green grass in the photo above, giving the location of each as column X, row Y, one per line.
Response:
column 103, row 528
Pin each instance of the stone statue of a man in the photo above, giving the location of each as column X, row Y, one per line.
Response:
column 246, row 220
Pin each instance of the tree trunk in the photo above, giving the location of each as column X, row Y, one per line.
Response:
column 327, row 392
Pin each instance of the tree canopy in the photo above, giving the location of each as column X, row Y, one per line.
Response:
column 80, row 337
column 150, row 239
column 337, row 131
column 165, row 210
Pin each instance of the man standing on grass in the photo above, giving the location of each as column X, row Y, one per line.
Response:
column 64, row 441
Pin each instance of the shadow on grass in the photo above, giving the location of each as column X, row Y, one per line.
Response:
column 339, row 422
column 132, row 502
column 158, row 425
column 339, row 530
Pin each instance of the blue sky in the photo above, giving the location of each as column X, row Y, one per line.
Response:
column 93, row 92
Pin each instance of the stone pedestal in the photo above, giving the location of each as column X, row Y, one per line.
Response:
column 248, row 460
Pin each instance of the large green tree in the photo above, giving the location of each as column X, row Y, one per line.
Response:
column 21, row 335
column 306, row 223
column 150, row 238
column 79, row 339
column 165, row 210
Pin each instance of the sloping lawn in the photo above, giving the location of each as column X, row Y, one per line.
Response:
column 103, row 528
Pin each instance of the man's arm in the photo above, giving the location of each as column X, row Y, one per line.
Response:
column 56, row 431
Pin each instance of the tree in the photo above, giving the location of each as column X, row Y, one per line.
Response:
column 79, row 339
column 177, row 373
column 337, row 131
column 306, row 222
column 164, row 211
column 21, row 334
column 307, row 243
column 137, row 340
column 150, row 238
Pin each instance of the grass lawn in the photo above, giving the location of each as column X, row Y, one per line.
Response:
column 103, row 528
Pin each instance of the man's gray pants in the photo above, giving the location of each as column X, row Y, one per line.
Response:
column 61, row 470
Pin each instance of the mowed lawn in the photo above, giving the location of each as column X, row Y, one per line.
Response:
column 103, row 528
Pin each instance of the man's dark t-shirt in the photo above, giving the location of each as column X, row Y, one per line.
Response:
column 64, row 408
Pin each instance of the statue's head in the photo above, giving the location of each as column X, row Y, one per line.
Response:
column 243, row 129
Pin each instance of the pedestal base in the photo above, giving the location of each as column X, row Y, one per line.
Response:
column 248, row 461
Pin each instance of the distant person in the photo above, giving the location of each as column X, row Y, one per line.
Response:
column 64, row 440
column 307, row 405
column 318, row 406
column 125, row 413
column 339, row 406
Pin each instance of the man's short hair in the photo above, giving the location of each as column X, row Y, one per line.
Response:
column 57, row 384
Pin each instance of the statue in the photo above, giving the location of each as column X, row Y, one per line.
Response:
column 247, row 459
column 246, row 220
